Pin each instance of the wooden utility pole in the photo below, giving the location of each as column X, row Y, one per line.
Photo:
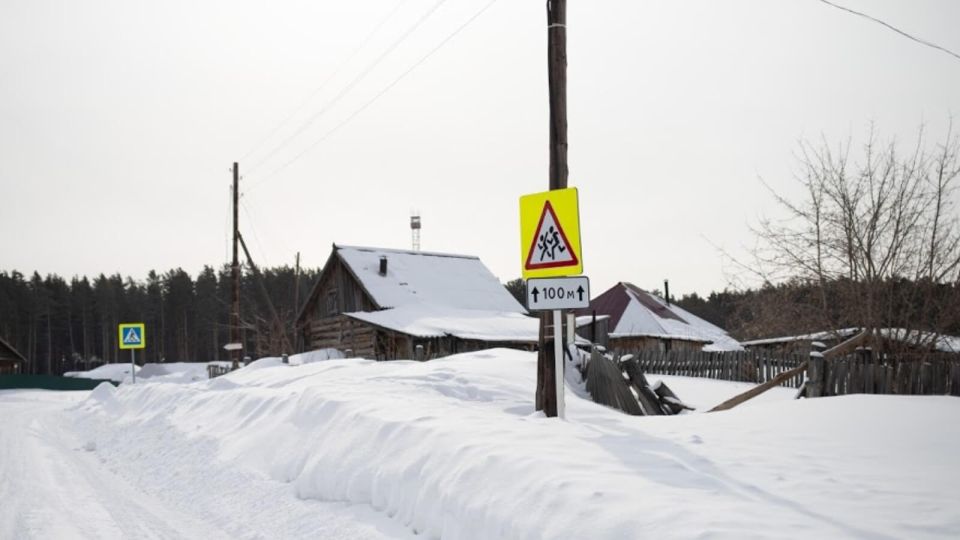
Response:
column 546, row 397
column 235, row 270
column 296, row 307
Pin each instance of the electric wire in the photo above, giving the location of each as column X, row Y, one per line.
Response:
column 353, row 83
column 376, row 97
column 323, row 85
column 256, row 237
column 894, row 28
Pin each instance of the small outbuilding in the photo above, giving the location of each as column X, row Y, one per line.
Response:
column 635, row 320
column 11, row 361
column 390, row 304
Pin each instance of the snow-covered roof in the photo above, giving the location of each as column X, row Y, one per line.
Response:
column 426, row 320
column 587, row 320
column 814, row 336
column 417, row 277
column 940, row 342
column 636, row 313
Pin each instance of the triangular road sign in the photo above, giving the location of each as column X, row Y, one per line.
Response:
column 132, row 337
column 550, row 247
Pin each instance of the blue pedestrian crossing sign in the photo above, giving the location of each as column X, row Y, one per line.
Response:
column 132, row 336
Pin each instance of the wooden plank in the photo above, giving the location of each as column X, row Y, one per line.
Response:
column 757, row 390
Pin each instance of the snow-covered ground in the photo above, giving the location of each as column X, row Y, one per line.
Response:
column 452, row 448
column 107, row 372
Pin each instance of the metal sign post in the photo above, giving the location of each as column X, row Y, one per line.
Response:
column 558, row 358
column 557, row 294
column 551, row 259
column 132, row 336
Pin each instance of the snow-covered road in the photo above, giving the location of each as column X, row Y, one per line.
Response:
column 53, row 484
column 52, row 487
column 452, row 449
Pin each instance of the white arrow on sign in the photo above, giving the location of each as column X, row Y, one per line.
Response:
column 571, row 292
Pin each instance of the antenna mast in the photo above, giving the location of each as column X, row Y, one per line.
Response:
column 415, row 230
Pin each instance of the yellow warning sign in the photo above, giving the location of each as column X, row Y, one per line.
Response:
column 132, row 336
column 550, row 234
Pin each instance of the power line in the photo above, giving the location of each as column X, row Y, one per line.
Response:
column 377, row 96
column 263, row 252
column 366, row 71
column 313, row 94
column 895, row 29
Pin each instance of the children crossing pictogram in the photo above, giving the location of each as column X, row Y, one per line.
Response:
column 550, row 247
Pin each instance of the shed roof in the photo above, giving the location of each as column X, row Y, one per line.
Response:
column 937, row 342
column 635, row 312
column 417, row 277
column 7, row 351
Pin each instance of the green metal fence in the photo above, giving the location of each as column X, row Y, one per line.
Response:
column 48, row 382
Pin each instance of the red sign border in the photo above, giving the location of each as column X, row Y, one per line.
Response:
column 538, row 266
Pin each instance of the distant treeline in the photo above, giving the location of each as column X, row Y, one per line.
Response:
column 62, row 325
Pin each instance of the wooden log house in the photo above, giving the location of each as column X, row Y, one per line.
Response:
column 389, row 304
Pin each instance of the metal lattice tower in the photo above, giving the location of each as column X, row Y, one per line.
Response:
column 415, row 231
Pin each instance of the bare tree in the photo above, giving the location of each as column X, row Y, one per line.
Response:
column 877, row 237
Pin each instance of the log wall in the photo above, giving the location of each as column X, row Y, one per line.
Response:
column 342, row 332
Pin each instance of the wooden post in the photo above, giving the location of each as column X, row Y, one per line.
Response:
column 298, row 335
column 546, row 396
column 815, row 374
column 235, row 270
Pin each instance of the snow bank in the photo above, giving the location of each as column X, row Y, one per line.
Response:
column 453, row 449
column 175, row 372
column 107, row 372
column 319, row 355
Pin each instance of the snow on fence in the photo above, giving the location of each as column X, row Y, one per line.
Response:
column 858, row 373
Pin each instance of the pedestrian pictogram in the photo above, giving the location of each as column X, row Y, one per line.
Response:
column 550, row 234
column 132, row 336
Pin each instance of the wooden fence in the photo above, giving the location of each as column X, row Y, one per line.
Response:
column 865, row 373
column 744, row 366
column 858, row 373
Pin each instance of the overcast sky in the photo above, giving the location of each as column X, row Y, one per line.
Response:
column 119, row 121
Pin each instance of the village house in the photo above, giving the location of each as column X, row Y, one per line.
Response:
column 388, row 304
column 631, row 319
column 11, row 361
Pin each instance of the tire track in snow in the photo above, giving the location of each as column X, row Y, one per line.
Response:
column 52, row 487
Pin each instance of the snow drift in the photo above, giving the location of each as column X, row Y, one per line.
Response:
column 453, row 449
